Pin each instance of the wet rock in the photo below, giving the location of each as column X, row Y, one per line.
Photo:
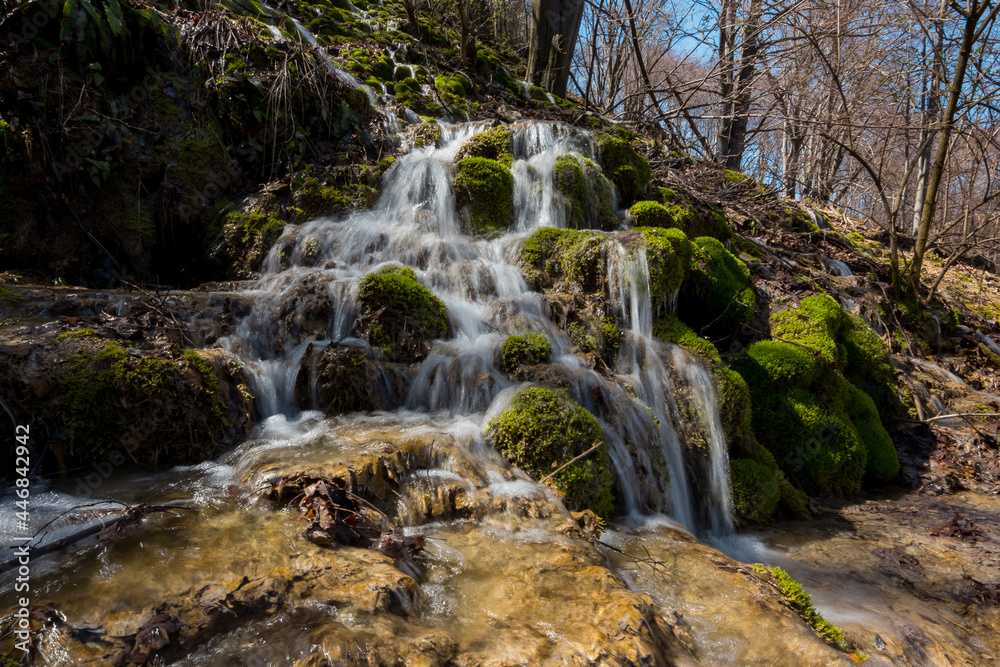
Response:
column 346, row 378
column 89, row 395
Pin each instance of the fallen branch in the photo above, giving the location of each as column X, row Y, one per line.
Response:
column 570, row 462
column 952, row 416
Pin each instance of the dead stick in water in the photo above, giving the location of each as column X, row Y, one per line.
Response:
column 570, row 462
column 957, row 414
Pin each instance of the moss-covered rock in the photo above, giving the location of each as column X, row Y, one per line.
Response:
column 628, row 170
column 669, row 255
column 544, row 429
column 806, row 412
column 589, row 195
column 549, row 255
column 670, row 329
column 87, row 397
column 311, row 197
column 720, row 289
column 485, row 189
column 455, row 83
column 755, row 491
column 815, row 324
column 248, row 237
column 882, row 463
column 495, row 144
column 342, row 378
column 398, row 314
column 595, row 335
column 651, row 214
column 524, row 349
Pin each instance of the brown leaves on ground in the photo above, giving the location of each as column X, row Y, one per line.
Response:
column 959, row 528
column 335, row 517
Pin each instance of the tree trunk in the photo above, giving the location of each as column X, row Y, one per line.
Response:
column 727, row 65
column 555, row 25
column 741, row 107
column 972, row 17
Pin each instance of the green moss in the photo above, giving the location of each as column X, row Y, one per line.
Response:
column 813, row 441
column 564, row 254
column 93, row 394
column 771, row 364
column 735, row 408
column 85, row 332
column 667, row 196
column 669, row 255
column 589, row 194
column 669, row 329
column 314, row 198
column 496, row 144
column 454, row 84
column 796, row 599
column 538, row 94
column 628, row 170
column 882, row 462
column 755, row 490
column 486, row 188
column 720, row 289
column 596, row 335
column 650, row 214
column 524, row 350
column 408, row 85
column 814, row 324
column 210, row 383
column 869, row 364
column 399, row 313
column 825, row 432
column 544, row 429
column 9, row 296
column 249, row 236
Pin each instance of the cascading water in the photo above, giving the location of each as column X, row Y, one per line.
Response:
column 415, row 223
column 639, row 360
column 306, row 302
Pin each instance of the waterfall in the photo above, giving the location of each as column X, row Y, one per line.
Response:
column 640, row 360
column 719, row 501
column 308, row 290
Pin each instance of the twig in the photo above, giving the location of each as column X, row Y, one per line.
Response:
column 570, row 462
column 952, row 416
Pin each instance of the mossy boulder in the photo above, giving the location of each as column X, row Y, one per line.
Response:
column 87, row 397
column 669, row 255
column 595, row 335
column 524, row 349
column 815, row 443
column 755, row 491
column 588, row 194
column 628, row 170
column 719, row 290
column 651, row 214
column 695, row 221
column 399, row 315
column 313, row 196
column 824, row 431
column 484, row 188
column 338, row 379
column 453, row 84
column 576, row 258
column 543, row 429
column 670, row 329
column 883, row 463
column 494, row 144
column 247, row 238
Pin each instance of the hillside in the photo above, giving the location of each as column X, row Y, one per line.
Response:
column 338, row 348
